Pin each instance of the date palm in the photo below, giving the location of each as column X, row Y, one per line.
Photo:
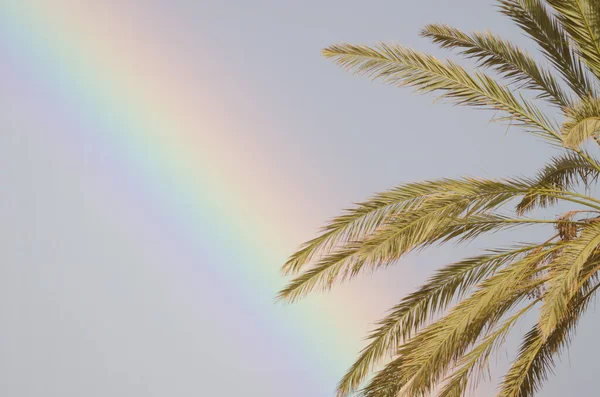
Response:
column 438, row 339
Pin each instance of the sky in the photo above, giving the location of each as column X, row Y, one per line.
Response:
column 160, row 160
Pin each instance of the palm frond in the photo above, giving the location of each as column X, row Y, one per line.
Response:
column 582, row 123
column 449, row 283
column 581, row 20
column 476, row 361
column 452, row 210
column 562, row 173
column 534, row 19
column 535, row 360
column 581, row 131
column 386, row 246
column 444, row 211
column 360, row 221
column 397, row 65
column 387, row 382
column 430, row 353
column 363, row 219
column 565, row 271
column 510, row 61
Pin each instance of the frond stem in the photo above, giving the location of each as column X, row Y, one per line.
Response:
column 588, row 158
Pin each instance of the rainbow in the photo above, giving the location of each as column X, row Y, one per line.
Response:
column 170, row 139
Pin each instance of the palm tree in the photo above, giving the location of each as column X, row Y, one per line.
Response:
column 438, row 339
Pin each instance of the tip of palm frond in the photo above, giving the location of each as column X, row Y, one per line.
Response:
column 352, row 55
column 289, row 268
column 434, row 30
column 330, row 52
column 352, row 379
column 326, row 52
column 286, row 296
column 343, row 391
column 334, row 50
column 280, row 298
column 303, row 284
column 299, row 287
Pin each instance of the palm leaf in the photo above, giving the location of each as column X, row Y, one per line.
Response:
column 510, row 61
column 388, row 245
column 367, row 216
column 581, row 131
column 581, row 20
column 535, row 20
column 401, row 66
column 536, row 355
column 428, row 355
column 457, row 209
column 363, row 219
column 562, row 173
column 582, row 122
column 565, row 271
column 475, row 362
column 388, row 382
column 449, row 283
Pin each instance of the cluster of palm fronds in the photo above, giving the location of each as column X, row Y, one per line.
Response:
column 439, row 339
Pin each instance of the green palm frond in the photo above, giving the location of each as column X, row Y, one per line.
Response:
column 452, row 209
column 537, row 353
column 389, row 244
column 475, row 362
column 584, row 129
column 510, row 61
column 565, row 271
column 530, row 369
column 534, row 19
column 561, row 173
column 433, row 351
column 397, row 65
column 364, row 218
column 449, row 283
column 581, row 20
column 387, row 383
column 582, row 122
